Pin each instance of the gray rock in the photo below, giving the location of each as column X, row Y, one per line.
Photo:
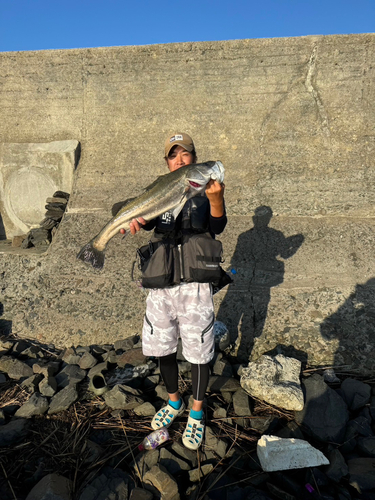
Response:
column 111, row 484
column 274, row 380
column 161, row 392
column 70, row 356
column 263, row 424
column 196, row 475
column 121, row 398
column 110, row 356
column 291, row 430
column 362, row 473
column 48, row 386
column 5, row 346
column 186, row 454
column 31, row 383
column 325, row 414
column 100, row 367
column 222, row 367
column 337, row 467
column 213, row 443
column 91, row 452
column 355, row 393
column 144, row 461
column 223, row 384
column 241, row 403
column 14, row 432
column 52, row 487
column 145, row 410
column 87, row 361
column 3, row 378
column 47, row 369
column 367, row 446
column 171, row 462
column 15, row 368
column 163, row 482
column 124, row 344
column 71, row 374
column 151, row 382
column 184, row 367
column 63, row 399
column 36, row 405
column 140, row 494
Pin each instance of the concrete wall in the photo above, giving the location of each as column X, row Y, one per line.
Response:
column 293, row 122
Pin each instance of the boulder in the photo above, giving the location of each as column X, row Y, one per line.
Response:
column 277, row 454
column 274, row 380
column 52, row 487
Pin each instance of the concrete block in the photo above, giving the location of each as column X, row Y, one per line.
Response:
column 276, row 453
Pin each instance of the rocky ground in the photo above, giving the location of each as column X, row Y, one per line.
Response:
column 57, row 437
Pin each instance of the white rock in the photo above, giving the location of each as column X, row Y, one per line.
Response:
column 276, row 453
column 274, row 380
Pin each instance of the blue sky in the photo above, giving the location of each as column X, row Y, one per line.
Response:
column 57, row 24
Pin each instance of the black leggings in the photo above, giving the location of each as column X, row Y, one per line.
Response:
column 169, row 372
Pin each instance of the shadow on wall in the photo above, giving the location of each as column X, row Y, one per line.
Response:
column 5, row 325
column 258, row 269
column 353, row 324
column 3, row 235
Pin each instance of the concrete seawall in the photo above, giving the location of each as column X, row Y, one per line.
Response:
column 293, row 122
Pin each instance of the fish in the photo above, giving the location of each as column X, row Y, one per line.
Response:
column 168, row 192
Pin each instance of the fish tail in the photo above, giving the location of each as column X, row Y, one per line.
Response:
column 91, row 255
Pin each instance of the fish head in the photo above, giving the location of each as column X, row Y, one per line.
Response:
column 198, row 176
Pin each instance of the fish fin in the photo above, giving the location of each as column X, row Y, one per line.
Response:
column 91, row 255
column 176, row 210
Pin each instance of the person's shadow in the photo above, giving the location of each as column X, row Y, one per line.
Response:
column 256, row 270
column 353, row 325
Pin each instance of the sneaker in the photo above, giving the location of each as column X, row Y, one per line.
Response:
column 193, row 434
column 166, row 415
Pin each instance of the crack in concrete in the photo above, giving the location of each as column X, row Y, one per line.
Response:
column 309, row 84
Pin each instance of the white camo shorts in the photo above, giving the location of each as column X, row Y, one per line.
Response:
column 185, row 311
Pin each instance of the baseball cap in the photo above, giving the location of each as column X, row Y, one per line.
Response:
column 179, row 139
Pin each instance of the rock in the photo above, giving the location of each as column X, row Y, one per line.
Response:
column 120, row 398
column 145, row 410
column 63, row 399
column 48, row 386
column 47, row 369
column 140, row 494
column 134, row 357
column 31, row 383
column 144, row 461
column 221, row 336
column 241, row 403
column 70, row 356
column 325, row 413
column 3, row 378
column 171, row 462
column 15, row 368
column 52, row 487
column 14, row 432
column 161, row 392
column 125, row 344
column 163, row 482
column 92, row 451
column 337, row 467
column 100, row 367
column 214, row 444
column 222, row 367
column 367, row 446
column 222, row 384
column 291, row 430
column 362, row 473
column 196, row 475
column 87, row 361
column 150, row 382
column 36, row 405
column 274, row 380
column 186, row 454
column 111, row 484
column 355, row 393
column 71, row 374
column 263, row 425
column 329, row 376
column 277, row 454
column 110, row 356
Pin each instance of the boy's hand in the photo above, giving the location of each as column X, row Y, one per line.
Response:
column 135, row 226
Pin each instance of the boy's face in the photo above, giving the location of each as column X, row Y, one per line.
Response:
column 178, row 157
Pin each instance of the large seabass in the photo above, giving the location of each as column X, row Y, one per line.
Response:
column 168, row 193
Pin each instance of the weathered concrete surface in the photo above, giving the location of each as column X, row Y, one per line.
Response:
column 293, row 122
column 29, row 174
